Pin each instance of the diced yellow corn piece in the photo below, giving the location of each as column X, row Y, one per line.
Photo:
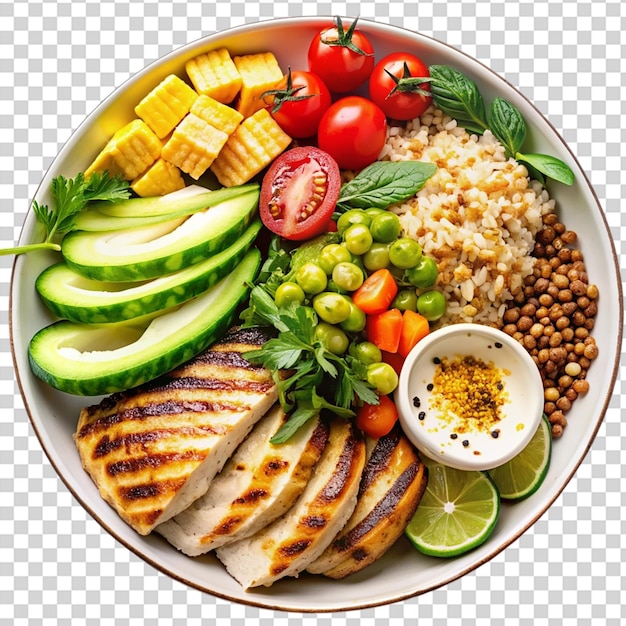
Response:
column 166, row 105
column 256, row 142
column 214, row 74
column 103, row 162
column 161, row 178
column 193, row 146
column 130, row 152
column 259, row 73
column 217, row 114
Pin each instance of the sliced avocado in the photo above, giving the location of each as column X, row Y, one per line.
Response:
column 143, row 253
column 92, row 360
column 71, row 296
column 136, row 212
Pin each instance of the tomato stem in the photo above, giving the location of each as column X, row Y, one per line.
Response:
column 344, row 38
column 286, row 95
column 407, row 83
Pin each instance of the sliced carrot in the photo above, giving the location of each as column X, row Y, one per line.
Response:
column 376, row 293
column 384, row 329
column 395, row 359
column 377, row 420
column 414, row 327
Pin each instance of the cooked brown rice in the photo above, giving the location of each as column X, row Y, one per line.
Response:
column 476, row 216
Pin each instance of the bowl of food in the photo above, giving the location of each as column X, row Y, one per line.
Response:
column 124, row 323
column 470, row 396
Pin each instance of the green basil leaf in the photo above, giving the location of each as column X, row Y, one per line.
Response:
column 549, row 166
column 508, row 125
column 384, row 183
column 458, row 96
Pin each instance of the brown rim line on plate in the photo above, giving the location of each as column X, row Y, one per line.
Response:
column 403, row 572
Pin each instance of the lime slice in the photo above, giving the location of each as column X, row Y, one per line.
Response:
column 457, row 512
column 524, row 473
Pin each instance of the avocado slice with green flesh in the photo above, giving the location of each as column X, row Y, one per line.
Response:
column 138, row 212
column 71, row 296
column 93, row 360
column 143, row 253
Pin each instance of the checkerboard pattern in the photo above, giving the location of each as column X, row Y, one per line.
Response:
column 58, row 60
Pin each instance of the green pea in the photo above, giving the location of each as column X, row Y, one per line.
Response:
column 374, row 211
column 332, row 254
column 432, row 305
column 405, row 300
column 366, row 352
column 382, row 377
column 353, row 216
column 348, row 276
column 288, row 292
column 377, row 257
column 385, row 227
column 405, row 253
column 424, row 274
column 312, row 278
column 355, row 322
column 331, row 307
column 332, row 337
column 358, row 239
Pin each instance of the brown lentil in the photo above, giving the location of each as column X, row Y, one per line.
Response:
column 553, row 316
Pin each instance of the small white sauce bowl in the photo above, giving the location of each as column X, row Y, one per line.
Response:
column 450, row 437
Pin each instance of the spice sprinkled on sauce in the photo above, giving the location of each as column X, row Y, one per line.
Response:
column 469, row 391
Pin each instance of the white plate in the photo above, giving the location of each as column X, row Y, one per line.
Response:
column 403, row 572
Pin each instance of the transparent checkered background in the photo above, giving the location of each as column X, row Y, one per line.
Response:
column 57, row 61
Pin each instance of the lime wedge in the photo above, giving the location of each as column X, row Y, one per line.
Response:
column 524, row 473
column 457, row 512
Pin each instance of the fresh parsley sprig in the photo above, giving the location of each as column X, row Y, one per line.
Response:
column 309, row 377
column 69, row 197
column 458, row 96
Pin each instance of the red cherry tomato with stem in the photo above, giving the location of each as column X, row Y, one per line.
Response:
column 298, row 103
column 299, row 193
column 353, row 131
column 344, row 59
column 399, row 86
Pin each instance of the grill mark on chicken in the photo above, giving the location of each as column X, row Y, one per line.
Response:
column 345, row 467
column 156, row 409
column 383, row 509
column 106, row 445
column 379, row 459
column 227, row 358
column 150, row 490
column 152, row 461
column 215, row 384
column 254, row 495
column 289, row 550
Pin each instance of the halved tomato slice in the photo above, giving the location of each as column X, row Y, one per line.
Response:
column 299, row 193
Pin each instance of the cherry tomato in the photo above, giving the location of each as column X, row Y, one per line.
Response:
column 397, row 87
column 344, row 59
column 299, row 193
column 353, row 131
column 298, row 102
column 377, row 420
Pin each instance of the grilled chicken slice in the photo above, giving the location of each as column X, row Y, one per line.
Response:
column 154, row 449
column 258, row 484
column 287, row 546
column 392, row 485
